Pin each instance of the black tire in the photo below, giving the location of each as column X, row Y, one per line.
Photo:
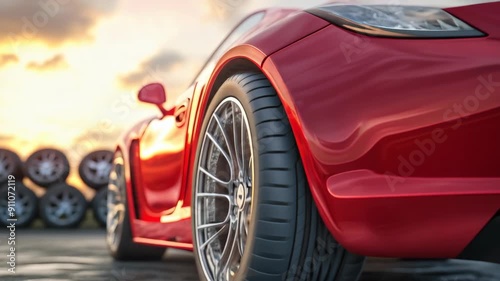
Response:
column 286, row 238
column 63, row 206
column 47, row 167
column 10, row 164
column 94, row 168
column 118, row 231
column 99, row 206
column 25, row 206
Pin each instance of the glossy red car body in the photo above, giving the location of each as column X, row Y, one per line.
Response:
column 400, row 138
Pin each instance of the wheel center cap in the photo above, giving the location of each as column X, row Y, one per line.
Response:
column 46, row 168
column 65, row 206
column 240, row 196
column 103, row 169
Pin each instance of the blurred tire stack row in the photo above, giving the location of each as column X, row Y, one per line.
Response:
column 62, row 205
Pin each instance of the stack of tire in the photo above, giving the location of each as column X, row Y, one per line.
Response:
column 25, row 201
column 94, row 171
column 62, row 205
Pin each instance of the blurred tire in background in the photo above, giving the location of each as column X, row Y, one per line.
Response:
column 100, row 206
column 47, row 167
column 10, row 164
column 25, row 206
column 63, row 206
column 94, row 171
column 95, row 167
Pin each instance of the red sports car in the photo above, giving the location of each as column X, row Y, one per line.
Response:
column 311, row 139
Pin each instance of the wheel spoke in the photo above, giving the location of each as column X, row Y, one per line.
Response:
column 228, row 255
column 216, row 195
column 228, row 157
column 215, row 178
column 51, row 156
column 108, row 157
column 240, row 243
column 23, row 199
column 66, row 196
column 92, row 164
column 54, row 200
column 228, row 144
column 215, row 224
column 59, row 212
column 213, row 237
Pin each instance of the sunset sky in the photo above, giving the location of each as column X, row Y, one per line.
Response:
column 70, row 70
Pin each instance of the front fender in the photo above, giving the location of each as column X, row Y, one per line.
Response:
column 384, row 128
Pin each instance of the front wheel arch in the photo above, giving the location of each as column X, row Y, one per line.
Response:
column 249, row 64
column 233, row 67
column 268, row 108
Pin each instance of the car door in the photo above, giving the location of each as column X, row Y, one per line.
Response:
column 161, row 156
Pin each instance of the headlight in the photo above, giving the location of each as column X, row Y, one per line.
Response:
column 396, row 21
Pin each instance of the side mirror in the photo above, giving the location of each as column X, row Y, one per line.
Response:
column 154, row 93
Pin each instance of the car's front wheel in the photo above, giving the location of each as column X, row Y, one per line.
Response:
column 253, row 215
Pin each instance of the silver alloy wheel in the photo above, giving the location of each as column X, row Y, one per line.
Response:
column 46, row 166
column 116, row 203
column 223, row 191
column 96, row 168
column 65, row 207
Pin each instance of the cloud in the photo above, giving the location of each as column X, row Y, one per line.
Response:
column 50, row 21
column 225, row 10
column 8, row 58
column 6, row 138
column 92, row 139
column 154, row 68
column 56, row 62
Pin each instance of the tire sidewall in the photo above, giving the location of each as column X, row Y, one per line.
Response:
column 230, row 88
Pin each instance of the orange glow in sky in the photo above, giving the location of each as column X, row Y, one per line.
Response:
column 69, row 70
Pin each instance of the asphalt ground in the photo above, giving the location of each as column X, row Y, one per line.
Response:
column 81, row 254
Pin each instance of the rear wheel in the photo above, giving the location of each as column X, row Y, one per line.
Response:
column 254, row 218
column 118, row 231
